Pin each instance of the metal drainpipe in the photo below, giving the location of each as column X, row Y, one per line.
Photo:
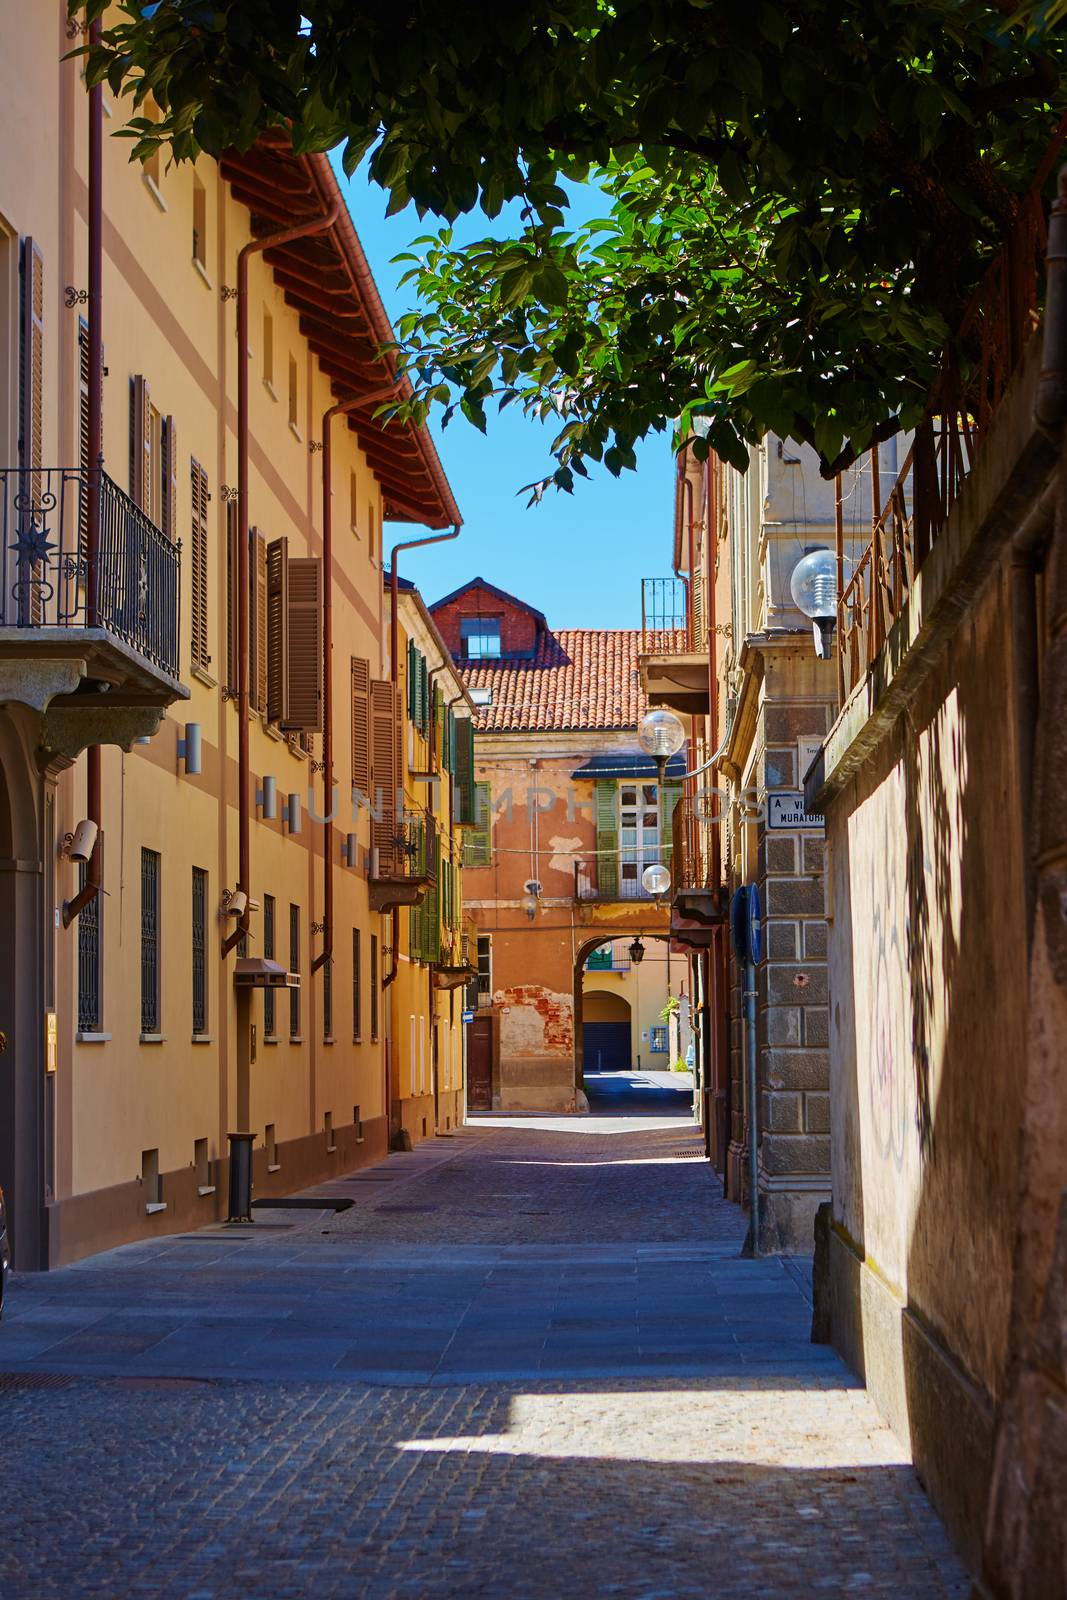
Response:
column 394, row 673
column 341, row 408
column 244, row 835
column 93, row 779
column 713, row 677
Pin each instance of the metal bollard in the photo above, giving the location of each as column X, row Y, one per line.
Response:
column 241, row 1176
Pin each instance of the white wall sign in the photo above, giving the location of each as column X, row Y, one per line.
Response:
column 807, row 749
column 785, row 809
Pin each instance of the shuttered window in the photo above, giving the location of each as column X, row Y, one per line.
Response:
column 361, row 726
column 150, row 931
column 141, row 443
column 669, row 796
column 199, row 950
column 478, row 842
column 270, row 1027
column 198, row 565
column 31, row 398
column 294, row 966
column 257, row 619
column 327, row 999
column 374, row 987
column 357, row 988
column 384, row 770
column 607, row 838
column 168, row 478
column 464, row 770
column 294, row 639
column 83, row 430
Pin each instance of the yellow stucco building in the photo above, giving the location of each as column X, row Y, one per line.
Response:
column 194, row 652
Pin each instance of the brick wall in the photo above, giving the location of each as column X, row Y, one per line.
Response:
column 518, row 629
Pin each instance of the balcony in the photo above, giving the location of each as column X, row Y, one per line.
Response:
column 615, row 878
column 406, row 864
column 457, row 964
column 698, row 893
column 95, row 678
column 607, row 959
column 673, row 662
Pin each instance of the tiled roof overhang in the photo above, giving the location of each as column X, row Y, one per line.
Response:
column 326, row 279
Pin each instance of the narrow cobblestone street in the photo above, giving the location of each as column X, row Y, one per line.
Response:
column 526, row 1360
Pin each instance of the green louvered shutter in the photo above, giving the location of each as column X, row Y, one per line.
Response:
column 464, row 771
column 478, row 845
column 450, row 742
column 411, row 682
column 669, row 796
column 607, row 838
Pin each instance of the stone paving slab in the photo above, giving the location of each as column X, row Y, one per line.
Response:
column 580, row 1389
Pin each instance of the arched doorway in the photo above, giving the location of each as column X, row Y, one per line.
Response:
column 606, row 1031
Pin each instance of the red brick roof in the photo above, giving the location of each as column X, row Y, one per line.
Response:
column 579, row 678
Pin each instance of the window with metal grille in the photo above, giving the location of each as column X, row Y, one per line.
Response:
column 485, row 968
column 657, row 1040
column 357, row 990
column 150, row 876
column 199, row 950
column 294, row 966
column 89, row 932
column 270, row 1027
column 374, row 986
column 327, row 999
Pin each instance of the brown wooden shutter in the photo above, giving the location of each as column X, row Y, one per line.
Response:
column 257, row 618
column 83, row 432
column 169, row 435
column 278, row 631
column 361, row 726
column 383, row 771
column 198, row 564
column 140, row 443
column 31, row 397
column 305, row 644
column 231, row 595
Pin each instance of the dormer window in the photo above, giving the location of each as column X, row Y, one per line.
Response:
column 480, row 637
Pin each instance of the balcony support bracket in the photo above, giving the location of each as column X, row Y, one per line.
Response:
column 69, row 729
column 35, row 681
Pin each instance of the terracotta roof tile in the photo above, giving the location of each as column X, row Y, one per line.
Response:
column 579, row 678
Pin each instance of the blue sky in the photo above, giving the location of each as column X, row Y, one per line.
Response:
column 578, row 558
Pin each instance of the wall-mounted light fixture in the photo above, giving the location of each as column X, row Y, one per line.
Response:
column 292, row 813
column 531, row 895
column 637, row 951
column 350, row 850
column 267, row 798
column 189, row 749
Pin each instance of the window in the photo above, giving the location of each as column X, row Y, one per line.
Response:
column 327, row 999
column 485, row 968
column 89, row 932
column 327, row 1128
column 270, row 1027
column 600, row 960
column 478, row 840
column 268, row 350
column 152, row 1182
column 374, row 987
column 199, row 950
column 199, row 224
column 200, row 654
column 657, row 1040
column 372, row 531
column 479, row 637
column 294, row 395
column 270, row 1139
column 357, row 991
column 150, row 874
column 202, row 1163
column 353, row 502
column 294, row 966
column 639, row 836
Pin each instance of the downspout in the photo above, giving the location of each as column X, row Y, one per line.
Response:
column 713, row 676
column 340, row 409
column 394, row 673
column 244, row 826
column 93, row 780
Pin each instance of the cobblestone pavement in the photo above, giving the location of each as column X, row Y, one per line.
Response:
column 527, row 1361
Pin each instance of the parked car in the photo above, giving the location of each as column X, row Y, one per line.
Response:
column 5, row 1252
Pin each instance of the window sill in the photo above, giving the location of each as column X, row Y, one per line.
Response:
column 331, row 1149
column 359, row 1138
column 271, row 390
column 150, row 185
column 274, row 1166
column 357, row 1038
column 270, row 1038
column 295, row 431
column 92, row 1038
column 202, row 675
column 272, row 732
column 296, row 1038
column 202, row 1038
column 201, row 270
column 204, row 1189
column 154, row 1206
column 153, row 1038
column 328, row 1038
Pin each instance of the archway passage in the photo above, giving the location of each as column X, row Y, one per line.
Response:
column 606, row 1031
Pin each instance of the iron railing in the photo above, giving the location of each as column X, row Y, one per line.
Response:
column 693, row 825
column 199, row 950
column 666, row 620
column 412, row 854
column 150, row 889
column 616, row 875
column 48, row 575
column 974, row 373
column 607, row 960
column 89, row 959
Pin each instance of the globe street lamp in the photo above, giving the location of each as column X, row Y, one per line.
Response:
column 660, row 735
column 655, row 880
column 814, row 590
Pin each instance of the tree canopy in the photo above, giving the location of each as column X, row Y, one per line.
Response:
column 799, row 199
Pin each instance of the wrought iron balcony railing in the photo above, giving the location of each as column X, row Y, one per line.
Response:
column 411, row 855
column 616, row 876
column 48, row 576
column 692, row 824
column 667, row 623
